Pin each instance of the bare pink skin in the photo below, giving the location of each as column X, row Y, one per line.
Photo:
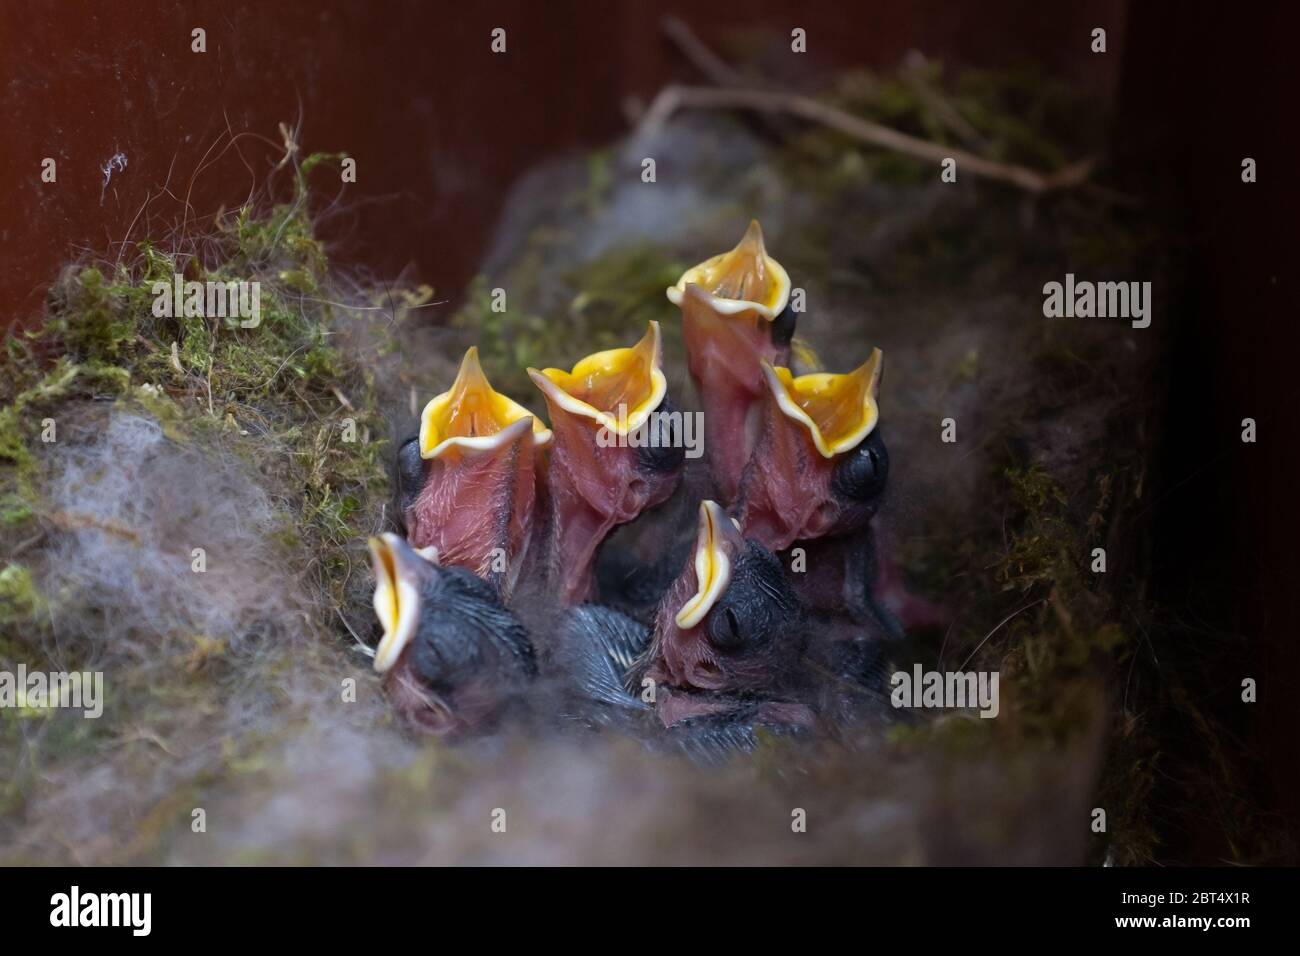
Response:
column 684, row 657
column 785, row 493
column 472, row 504
column 671, row 708
column 474, row 707
column 674, row 707
column 837, row 587
column 832, row 585
column 725, row 354
column 591, row 490
column 786, row 498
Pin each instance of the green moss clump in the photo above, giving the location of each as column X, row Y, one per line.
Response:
column 90, row 324
column 20, row 600
column 293, row 399
column 291, row 384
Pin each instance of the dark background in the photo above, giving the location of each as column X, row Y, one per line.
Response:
column 440, row 127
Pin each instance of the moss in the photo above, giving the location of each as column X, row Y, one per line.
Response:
column 276, row 396
column 603, row 303
column 91, row 322
column 1039, row 552
column 20, row 600
column 1069, row 640
column 1058, row 640
column 623, row 289
column 13, row 440
column 600, row 179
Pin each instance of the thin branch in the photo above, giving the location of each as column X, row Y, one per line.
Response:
column 913, row 73
column 701, row 57
column 674, row 98
column 997, row 628
column 717, row 70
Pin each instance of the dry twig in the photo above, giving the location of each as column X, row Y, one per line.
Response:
column 674, row 98
column 771, row 104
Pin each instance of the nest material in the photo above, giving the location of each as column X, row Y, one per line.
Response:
column 230, row 692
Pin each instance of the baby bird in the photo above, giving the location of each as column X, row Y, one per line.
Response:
column 609, row 460
column 735, row 316
column 731, row 622
column 466, row 486
column 454, row 661
column 492, row 500
column 819, row 466
column 723, row 657
column 816, row 478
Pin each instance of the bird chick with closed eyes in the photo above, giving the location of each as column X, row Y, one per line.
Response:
column 815, row 480
column 735, row 315
column 454, row 661
column 466, row 485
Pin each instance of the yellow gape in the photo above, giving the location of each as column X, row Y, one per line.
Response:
column 712, row 566
column 618, row 388
column 839, row 411
column 746, row 279
column 472, row 416
column 396, row 600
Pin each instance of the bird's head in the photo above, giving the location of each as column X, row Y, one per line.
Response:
column 453, row 659
column 466, row 482
column 819, row 465
column 741, row 281
column 735, row 316
column 731, row 622
column 612, row 456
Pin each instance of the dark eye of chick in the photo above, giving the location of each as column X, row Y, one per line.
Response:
column 757, row 606
column 409, row 473
column 664, row 449
column 783, row 327
column 725, row 629
column 861, row 475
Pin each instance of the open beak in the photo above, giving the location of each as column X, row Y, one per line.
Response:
column 838, row 411
column 472, row 417
column 682, row 653
column 730, row 305
column 475, row 497
column 811, row 426
column 712, row 563
column 618, row 388
column 746, row 279
column 597, row 479
column 397, row 596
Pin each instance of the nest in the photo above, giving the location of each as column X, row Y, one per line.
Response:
column 242, row 689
